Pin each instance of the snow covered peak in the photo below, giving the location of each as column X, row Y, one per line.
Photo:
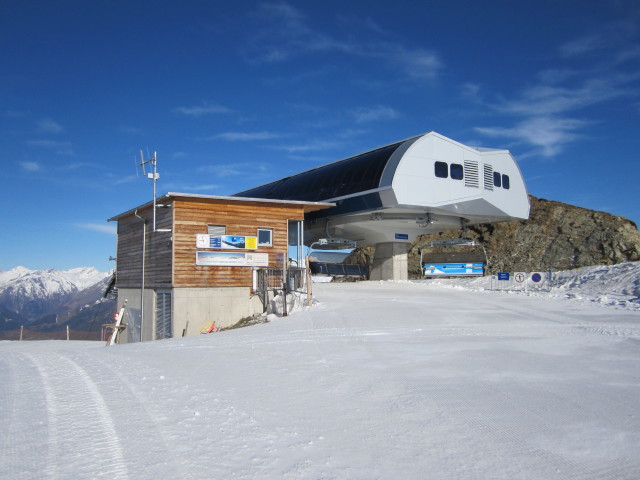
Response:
column 14, row 273
column 83, row 277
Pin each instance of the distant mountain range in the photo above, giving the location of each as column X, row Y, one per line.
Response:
column 49, row 300
column 556, row 235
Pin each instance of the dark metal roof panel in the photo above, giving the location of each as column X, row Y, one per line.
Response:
column 360, row 173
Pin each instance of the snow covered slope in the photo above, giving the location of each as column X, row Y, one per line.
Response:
column 34, row 293
column 608, row 285
column 379, row 380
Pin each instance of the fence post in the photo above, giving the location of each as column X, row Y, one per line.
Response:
column 21, row 330
column 308, row 278
column 67, row 332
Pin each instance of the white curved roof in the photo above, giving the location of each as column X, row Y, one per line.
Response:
column 424, row 184
column 414, row 181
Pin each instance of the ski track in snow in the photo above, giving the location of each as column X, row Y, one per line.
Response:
column 93, row 424
column 78, row 420
column 142, row 437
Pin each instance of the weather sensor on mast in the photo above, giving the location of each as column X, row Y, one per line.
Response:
column 153, row 176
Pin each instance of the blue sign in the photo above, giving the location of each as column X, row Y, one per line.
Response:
column 536, row 277
column 503, row 275
column 231, row 242
column 452, row 269
column 402, row 236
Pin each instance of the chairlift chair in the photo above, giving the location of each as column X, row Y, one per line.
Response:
column 446, row 266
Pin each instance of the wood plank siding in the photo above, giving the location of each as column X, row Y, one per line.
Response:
column 193, row 216
column 170, row 257
column 158, row 250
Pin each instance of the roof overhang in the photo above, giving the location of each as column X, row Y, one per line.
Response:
column 306, row 206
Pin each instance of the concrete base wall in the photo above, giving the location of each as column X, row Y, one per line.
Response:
column 193, row 308
column 225, row 306
column 390, row 262
column 132, row 297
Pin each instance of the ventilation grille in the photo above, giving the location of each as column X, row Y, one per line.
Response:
column 217, row 230
column 488, row 177
column 163, row 315
column 471, row 178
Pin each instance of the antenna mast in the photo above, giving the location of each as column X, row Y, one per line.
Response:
column 153, row 176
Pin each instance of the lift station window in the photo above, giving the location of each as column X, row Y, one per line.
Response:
column 265, row 237
column 442, row 170
column 501, row 180
column 497, row 182
column 457, row 171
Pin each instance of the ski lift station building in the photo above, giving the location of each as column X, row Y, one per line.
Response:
column 389, row 196
column 196, row 262
column 198, row 253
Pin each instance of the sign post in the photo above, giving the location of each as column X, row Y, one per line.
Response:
column 285, row 285
column 308, row 278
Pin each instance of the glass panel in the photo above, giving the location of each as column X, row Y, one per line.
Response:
column 442, row 170
column 496, row 180
column 505, row 181
column 352, row 175
column 457, row 171
column 132, row 319
column 294, row 238
column 296, row 235
column 265, row 237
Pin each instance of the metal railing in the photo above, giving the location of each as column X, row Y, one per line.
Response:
column 339, row 269
column 272, row 280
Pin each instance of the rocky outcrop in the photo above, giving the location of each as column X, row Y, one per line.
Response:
column 556, row 235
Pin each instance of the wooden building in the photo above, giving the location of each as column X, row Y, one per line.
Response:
column 193, row 258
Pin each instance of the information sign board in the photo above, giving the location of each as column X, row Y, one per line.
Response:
column 503, row 275
column 452, row 269
column 231, row 259
column 227, row 242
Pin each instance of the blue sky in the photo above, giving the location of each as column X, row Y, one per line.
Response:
column 234, row 94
